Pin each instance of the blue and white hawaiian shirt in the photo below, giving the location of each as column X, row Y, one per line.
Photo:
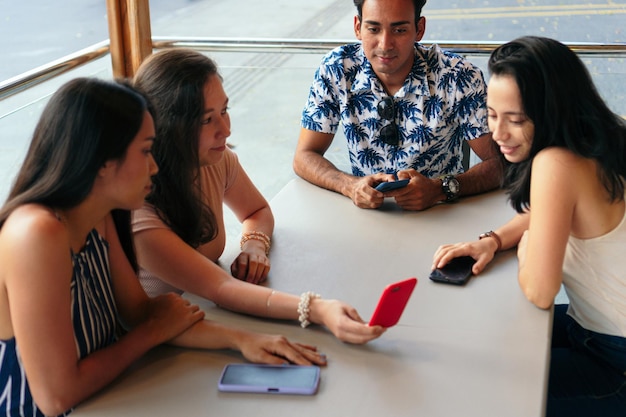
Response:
column 442, row 102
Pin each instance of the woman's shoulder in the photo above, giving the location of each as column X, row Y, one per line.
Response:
column 31, row 230
column 146, row 217
column 559, row 158
column 564, row 166
column 555, row 151
column 33, row 220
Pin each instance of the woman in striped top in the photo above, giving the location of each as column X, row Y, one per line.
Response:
column 66, row 226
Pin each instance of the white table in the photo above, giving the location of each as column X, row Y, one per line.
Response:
column 478, row 350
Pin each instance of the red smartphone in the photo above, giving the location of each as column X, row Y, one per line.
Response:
column 392, row 303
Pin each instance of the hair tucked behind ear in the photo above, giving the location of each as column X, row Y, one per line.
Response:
column 559, row 96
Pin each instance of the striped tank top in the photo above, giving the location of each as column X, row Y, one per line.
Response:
column 94, row 317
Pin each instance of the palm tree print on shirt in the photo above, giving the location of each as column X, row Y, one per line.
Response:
column 441, row 104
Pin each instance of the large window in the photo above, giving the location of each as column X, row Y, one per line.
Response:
column 267, row 90
column 35, row 32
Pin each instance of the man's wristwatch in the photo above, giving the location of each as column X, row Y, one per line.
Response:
column 451, row 187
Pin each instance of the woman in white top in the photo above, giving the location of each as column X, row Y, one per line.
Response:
column 566, row 156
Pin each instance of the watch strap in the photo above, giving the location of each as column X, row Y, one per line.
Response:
column 494, row 235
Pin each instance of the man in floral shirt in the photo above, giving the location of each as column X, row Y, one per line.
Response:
column 405, row 110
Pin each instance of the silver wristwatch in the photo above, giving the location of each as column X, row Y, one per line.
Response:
column 451, row 187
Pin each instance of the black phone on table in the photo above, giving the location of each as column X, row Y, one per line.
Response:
column 458, row 271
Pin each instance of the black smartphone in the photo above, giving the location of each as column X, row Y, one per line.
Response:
column 458, row 271
column 391, row 185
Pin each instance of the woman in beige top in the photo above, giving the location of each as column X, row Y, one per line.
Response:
column 179, row 233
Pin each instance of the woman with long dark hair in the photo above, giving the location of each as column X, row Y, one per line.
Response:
column 180, row 233
column 72, row 313
column 566, row 152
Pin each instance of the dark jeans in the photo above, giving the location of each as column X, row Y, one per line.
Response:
column 587, row 371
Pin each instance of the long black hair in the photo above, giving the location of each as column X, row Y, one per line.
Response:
column 174, row 81
column 86, row 123
column 559, row 96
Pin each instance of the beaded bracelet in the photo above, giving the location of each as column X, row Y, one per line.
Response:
column 303, row 307
column 260, row 236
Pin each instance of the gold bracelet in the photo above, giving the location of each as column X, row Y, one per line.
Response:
column 267, row 303
column 494, row 235
column 260, row 236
